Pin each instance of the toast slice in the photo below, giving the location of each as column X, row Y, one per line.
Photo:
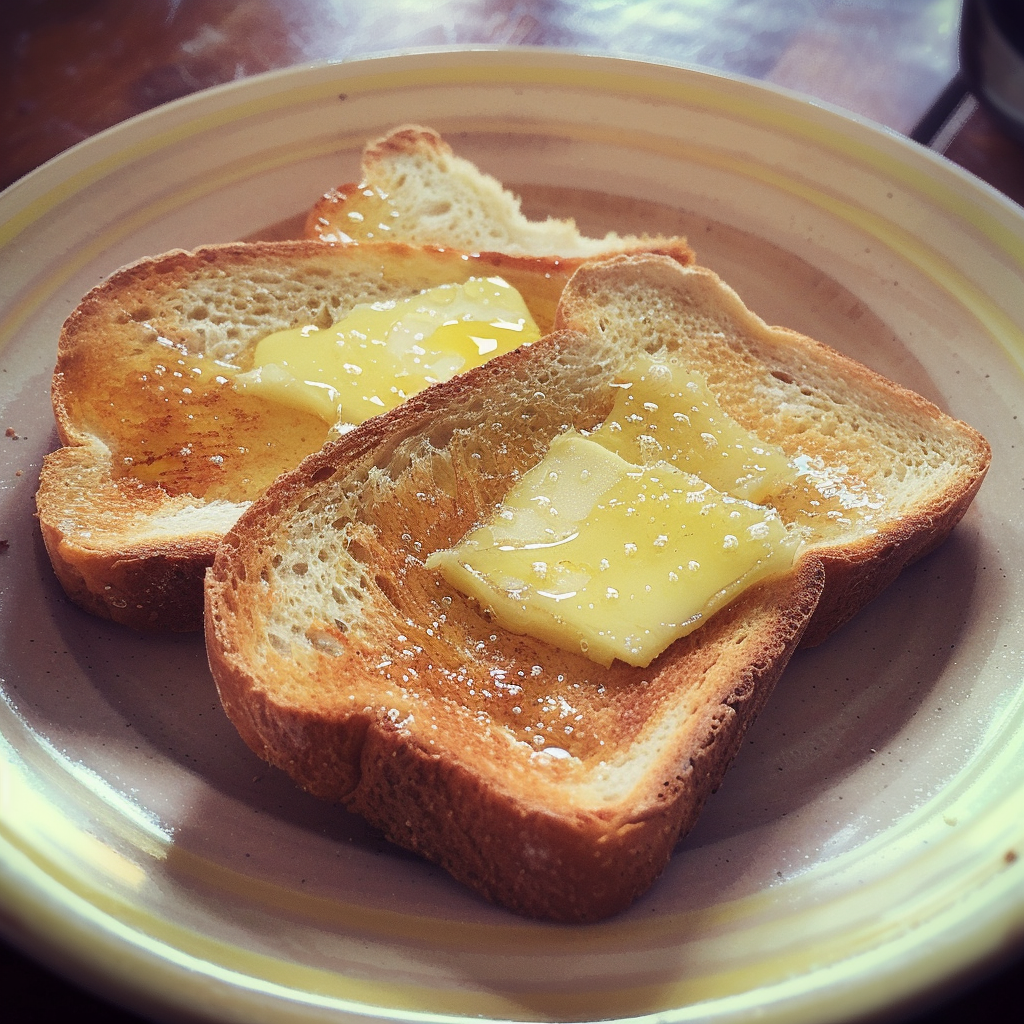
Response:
column 551, row 785
column 415, row 188
column 160, row 452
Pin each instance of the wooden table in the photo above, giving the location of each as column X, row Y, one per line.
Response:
column 71, row 68
column 74, row 67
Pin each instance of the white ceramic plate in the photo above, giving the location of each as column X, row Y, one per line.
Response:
column 866, row 844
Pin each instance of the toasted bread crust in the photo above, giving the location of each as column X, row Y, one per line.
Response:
column 132, row 544
column 145, row 581
column 473, row 806
column 345, row 662
column 563, row 862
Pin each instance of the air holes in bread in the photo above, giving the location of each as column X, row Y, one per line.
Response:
column 325, row 641
column 322, row 474
column 786, row 378
column 359, row 552
column 281, row 645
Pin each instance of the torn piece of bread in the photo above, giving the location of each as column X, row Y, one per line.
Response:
column 415, row 188
column 550, row 784
column 161, row 452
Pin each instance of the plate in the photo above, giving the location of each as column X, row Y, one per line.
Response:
column 865, row 848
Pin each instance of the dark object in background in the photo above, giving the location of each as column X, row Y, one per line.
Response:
column 992, row 58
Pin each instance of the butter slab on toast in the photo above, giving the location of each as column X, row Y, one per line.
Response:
column 551, row 785
column 885, row 475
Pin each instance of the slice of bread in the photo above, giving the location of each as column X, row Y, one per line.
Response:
column 549, row 784
column 414, row 187
column 160, row 454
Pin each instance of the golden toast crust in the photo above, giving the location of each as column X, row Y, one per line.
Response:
column 345, row 662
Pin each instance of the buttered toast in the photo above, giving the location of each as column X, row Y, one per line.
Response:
column 159, row 459
column 415, row 188
column 553, row 785
column 161, row 450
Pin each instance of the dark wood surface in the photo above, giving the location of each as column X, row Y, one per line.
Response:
column 70, row 68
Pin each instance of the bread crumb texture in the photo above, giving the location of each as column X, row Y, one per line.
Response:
column 547, row 782
column 416, row 188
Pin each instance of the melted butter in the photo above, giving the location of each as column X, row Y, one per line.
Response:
column 371, row 216
column 614, row 560
column 827, row 497
column 380, row 354
column 664, row 412
column 181, row 424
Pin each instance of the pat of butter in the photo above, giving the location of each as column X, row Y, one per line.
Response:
column 382, row 353
column 663, row 412
column 597, row 555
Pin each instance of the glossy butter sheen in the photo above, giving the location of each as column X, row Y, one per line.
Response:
column 382, row 353
column 664, row 412
column 614, row 558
